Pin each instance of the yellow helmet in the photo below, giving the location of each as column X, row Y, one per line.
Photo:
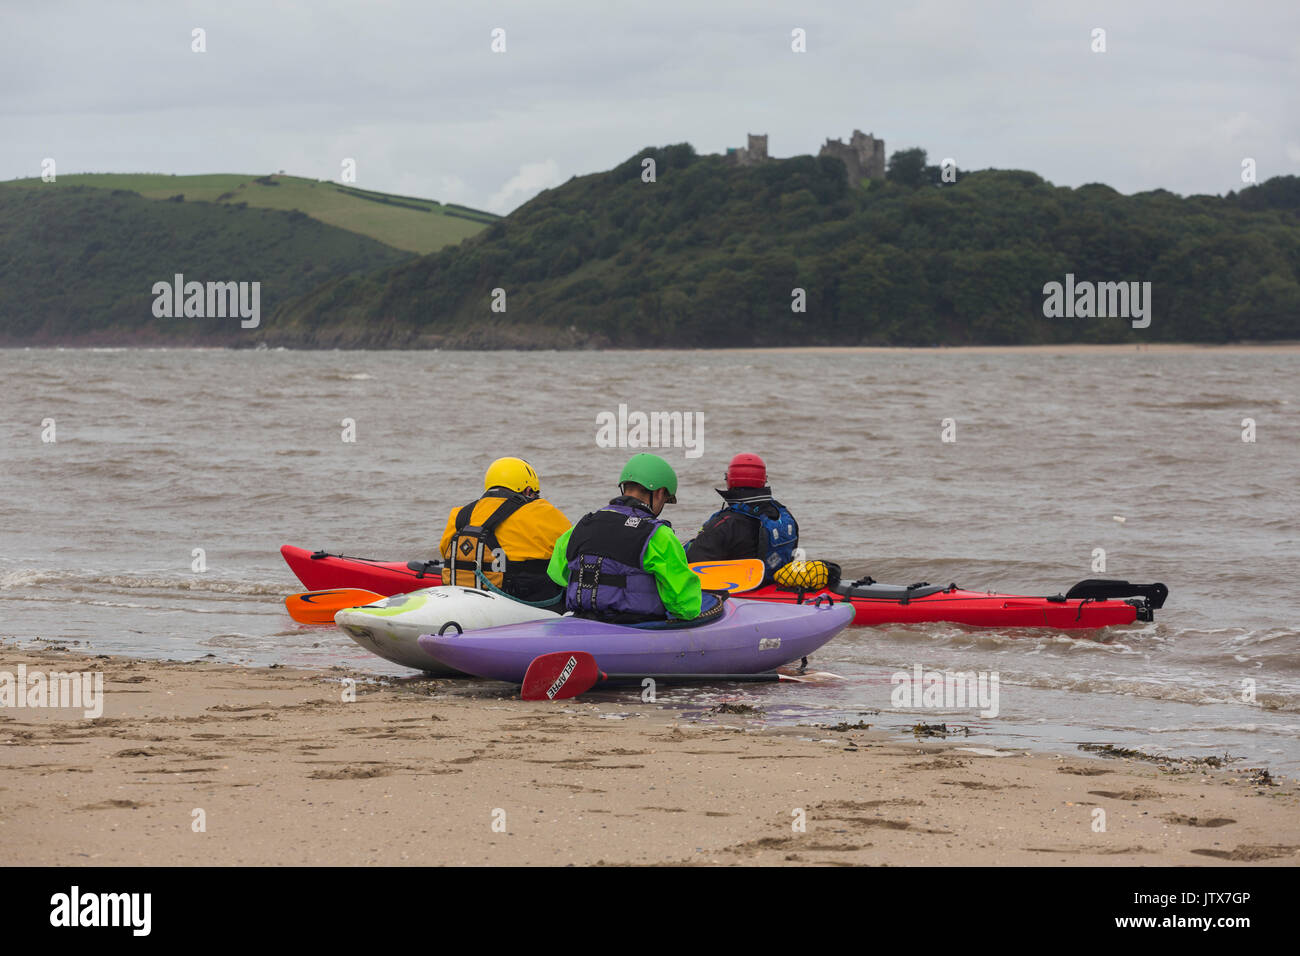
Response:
column 513, row 473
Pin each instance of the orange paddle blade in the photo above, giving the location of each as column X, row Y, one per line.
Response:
column 319, row 607
column 733, row 576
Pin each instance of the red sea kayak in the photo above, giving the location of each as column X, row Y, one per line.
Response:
column 1089, row 604
column 319, row 571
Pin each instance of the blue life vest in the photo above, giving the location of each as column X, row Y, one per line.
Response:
column 777, row 537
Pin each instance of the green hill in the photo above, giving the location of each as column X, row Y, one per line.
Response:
column 708, row 256
column 78, row 264
column 414, row 225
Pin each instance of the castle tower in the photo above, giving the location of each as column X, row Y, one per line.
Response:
column 863, row 156
column 751, row 155
column 871, row 154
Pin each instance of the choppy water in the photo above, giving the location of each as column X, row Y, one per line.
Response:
column 162, row 452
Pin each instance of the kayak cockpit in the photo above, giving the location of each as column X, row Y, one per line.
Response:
column 869, row 589
column 711, row 609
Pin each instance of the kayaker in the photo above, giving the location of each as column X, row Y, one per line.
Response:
column 512, row 527
column 753, row 524
column 623, row 563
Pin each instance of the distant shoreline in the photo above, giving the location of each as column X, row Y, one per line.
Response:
column 1065, row 348
column 1086, row 348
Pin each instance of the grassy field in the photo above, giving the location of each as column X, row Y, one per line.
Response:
column 78, row 264
column 414, row 225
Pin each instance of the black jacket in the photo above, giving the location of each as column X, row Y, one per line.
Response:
column 730, row 536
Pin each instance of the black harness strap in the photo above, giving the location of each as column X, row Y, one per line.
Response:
column 484, row 535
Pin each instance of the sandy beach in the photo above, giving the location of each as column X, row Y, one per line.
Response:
column 212, row 764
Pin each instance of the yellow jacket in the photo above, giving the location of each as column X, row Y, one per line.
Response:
column 527, row 535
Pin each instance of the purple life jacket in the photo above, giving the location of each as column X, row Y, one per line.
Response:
column 606, row 562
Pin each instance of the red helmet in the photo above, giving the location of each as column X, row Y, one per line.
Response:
column 746, row 471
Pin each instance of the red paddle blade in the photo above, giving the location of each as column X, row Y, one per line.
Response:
column 560, row 675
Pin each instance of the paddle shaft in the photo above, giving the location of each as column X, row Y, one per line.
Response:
column 624, row 679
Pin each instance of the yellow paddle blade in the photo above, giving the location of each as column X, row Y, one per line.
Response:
column 319, row 607
column 733, row 576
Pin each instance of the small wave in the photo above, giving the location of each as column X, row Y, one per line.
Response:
column 1266, row 636
column 1165, row 690
column 1028, row 641
column 1243, row 728
column 198, row 582
column 66, row 601
column 82, row 602
column 1211, row 402
column 1266, row 665
column 234, row 639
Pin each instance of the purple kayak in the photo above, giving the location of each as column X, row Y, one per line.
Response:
column 748, row 637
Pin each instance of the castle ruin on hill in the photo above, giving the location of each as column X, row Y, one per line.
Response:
column 751, row 155
column 863, row 155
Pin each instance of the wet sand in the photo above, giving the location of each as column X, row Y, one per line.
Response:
column 279, row 769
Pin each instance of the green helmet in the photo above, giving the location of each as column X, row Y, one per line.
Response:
column 650, row 472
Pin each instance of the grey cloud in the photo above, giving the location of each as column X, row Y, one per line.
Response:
column 412, row 92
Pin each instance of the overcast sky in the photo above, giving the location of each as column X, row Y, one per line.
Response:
column 413, row 92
